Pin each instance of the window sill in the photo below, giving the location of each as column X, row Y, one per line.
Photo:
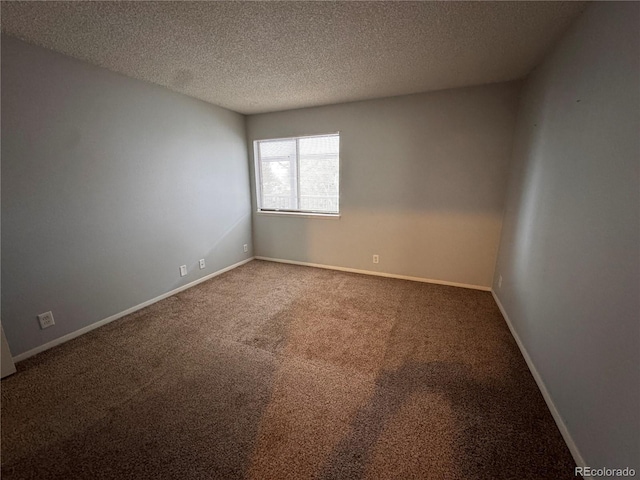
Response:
column 334, row 216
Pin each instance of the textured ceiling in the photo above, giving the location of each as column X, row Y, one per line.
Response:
column 255, row 57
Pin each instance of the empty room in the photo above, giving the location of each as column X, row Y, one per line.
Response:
column 320, row 240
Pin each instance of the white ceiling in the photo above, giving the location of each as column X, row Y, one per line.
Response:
column 255, row 57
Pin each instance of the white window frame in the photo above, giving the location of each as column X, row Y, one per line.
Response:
column 292, row 212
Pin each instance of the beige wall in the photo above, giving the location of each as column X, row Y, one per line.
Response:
column 423, row 181
column 570, row 249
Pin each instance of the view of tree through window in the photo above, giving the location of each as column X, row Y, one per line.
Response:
column 299, row 174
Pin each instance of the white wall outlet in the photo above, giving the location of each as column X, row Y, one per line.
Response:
column 183, row 270
column 376, row 259
column 245, row 247
column 46, row 320
column 500, row 281
column 202, row 264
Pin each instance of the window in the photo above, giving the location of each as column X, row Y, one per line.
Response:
column 298, row 174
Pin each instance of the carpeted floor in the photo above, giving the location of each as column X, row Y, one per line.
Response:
column 275, row 371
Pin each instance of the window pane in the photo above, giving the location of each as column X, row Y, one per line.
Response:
column 319, row 173
column 299, row 174
column 278, row 164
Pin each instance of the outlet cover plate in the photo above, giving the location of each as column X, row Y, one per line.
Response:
column 46, row 320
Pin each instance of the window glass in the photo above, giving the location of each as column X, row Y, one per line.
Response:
column 299, row 174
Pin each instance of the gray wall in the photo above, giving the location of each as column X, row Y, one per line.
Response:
column 569, row 254
column 423, row 182
column 108, row 185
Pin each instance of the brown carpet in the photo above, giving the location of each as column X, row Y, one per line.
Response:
column 275, row 371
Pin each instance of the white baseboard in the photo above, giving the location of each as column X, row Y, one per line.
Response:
column 573, row 448
column 377, row 274
column 104, row 321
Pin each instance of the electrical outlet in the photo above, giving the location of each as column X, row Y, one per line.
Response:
column 245, row 247
column 183, row 270
column 46, row 320
column 202, row 265
column 500, row 281
column 376, row 259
